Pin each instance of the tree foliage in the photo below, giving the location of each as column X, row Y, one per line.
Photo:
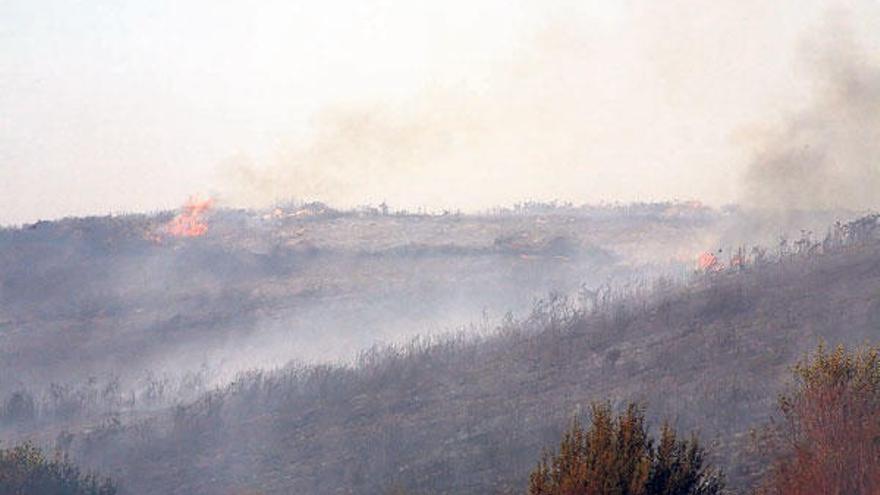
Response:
column 25, row 470
column 827, row 438
column 617, row 456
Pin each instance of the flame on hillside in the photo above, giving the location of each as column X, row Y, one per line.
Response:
column 189, row 222
column 709, row 262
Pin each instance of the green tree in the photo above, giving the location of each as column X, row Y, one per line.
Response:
column 24, row 470
column 616, row 456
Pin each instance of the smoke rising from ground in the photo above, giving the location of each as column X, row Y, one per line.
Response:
column 431, row 150
column 631, row 111
column 581, row 111
column 827, row 155
column 416, row 104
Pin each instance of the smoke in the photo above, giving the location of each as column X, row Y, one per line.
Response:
column 572, row 114
column 355, row 151
column 422, row 103
column 631, row 109
column 827, row 155
column 427, row 150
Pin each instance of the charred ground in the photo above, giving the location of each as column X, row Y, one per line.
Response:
column 469, row 413
column 116, row 295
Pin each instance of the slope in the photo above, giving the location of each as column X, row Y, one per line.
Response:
column 471, row 415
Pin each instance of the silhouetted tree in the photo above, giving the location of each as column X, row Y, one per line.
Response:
column 616, row 456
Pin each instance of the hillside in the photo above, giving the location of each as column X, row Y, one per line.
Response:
column 102, row 296
column 471, row 415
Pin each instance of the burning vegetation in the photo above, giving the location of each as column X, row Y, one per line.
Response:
column 721, row 347
column 190, row 221
column 708, row 262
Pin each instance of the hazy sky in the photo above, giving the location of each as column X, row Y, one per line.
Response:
column 134, row 105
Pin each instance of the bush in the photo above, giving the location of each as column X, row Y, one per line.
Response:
column 616, row 456
column 18, row 407
column 24, row 470
column 827, row 435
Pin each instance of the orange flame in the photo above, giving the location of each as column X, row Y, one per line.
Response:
column 189, row 222
column 709, row 262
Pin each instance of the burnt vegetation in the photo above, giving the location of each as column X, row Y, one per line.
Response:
column 114, row 295
column 472, row 412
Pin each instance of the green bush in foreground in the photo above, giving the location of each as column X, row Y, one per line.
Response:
column 24, row 470
column 616, row 456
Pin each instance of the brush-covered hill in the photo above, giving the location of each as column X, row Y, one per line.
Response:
column 471, row 415
column 118, row 295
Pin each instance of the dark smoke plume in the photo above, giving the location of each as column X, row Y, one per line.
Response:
column 825, row 157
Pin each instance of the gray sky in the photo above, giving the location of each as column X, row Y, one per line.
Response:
column 120, row 106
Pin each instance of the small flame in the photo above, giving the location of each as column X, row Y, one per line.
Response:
column 189, row 222
column 709, row 262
